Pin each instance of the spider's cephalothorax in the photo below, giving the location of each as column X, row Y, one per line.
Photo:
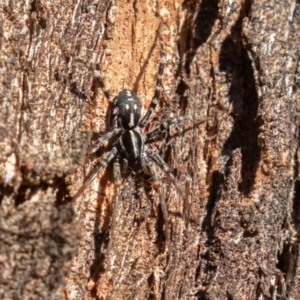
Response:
column 127, row 109
column 129, row 148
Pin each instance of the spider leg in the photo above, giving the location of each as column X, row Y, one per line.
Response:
column 117, row 179
column 113, row 111
column 107, row 158
column 97, row 75
column 155, row 98
column 114, row 133
column 124, row 171
column 160, row 162
column 149, row 170
column 99, row 78
column 165, row 125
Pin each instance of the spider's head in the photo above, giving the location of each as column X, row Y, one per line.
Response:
column 128, row 109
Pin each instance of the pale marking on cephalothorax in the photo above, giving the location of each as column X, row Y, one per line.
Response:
column 131, row 122
column 127, row 106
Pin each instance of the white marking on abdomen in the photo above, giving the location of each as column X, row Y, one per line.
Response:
column 133, row 143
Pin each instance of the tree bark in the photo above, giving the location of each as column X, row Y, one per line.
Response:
column 234, row 67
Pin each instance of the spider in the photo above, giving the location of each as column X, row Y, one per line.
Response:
column 129, row 149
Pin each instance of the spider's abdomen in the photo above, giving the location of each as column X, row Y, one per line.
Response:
column 131, row 146
column 129, row 109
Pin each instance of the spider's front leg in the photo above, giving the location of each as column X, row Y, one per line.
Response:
column 155, row 98
column 113, row 109
column 102, row 85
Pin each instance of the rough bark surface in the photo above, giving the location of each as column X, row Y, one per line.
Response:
column 234, row 64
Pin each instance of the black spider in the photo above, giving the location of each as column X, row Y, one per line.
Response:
column 130, row 147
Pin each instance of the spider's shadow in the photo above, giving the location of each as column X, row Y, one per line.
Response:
column 103, row 238
column 67, row 80
column 147, row 183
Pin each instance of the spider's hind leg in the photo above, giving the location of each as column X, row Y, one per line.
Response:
column 160, row 162
column 113, row 134
column 165, row 126
column 148, row 169
column 117, row 180
column 115, row 205
column 98, row 167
